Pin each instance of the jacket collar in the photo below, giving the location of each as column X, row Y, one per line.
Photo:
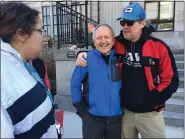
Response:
column 7, row 48
column 99, row 54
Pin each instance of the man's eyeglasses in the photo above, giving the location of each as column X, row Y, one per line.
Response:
column 41, row 31
column 128, row 22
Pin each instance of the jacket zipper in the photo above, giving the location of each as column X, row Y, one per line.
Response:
column 109, row 77
column 108, row 69
column 109, row 92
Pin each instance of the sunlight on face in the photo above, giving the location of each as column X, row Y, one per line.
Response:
column 104, row 40
column 34, row 43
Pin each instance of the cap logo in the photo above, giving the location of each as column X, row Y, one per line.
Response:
column 128, row 10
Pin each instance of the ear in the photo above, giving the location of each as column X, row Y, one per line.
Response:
column 113, row 40
column 20, row 35
column 143, row 23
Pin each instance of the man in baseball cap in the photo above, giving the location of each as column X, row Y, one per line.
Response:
column 133, row 12
column 132, row 21
column 141, row 97
column 149, row 75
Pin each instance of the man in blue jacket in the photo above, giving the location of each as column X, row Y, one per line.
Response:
column 101, row 110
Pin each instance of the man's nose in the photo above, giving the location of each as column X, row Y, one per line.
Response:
column 125, row 25
column 103, row 40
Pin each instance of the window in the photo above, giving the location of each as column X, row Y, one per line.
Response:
column 64, row 25
column 161, row 14
column 46, row 20
column 54, row 21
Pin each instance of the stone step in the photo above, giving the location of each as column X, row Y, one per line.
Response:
column 180, row 64
column 180, row 90
column 181, row 72
column 178, row 95
column 179, row 57
column 173, row 119
column 178, row 51
column 174, row 105
column 181, row 82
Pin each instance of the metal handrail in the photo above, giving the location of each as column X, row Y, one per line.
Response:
column 72, row 31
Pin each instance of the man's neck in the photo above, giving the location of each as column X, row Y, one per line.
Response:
column 137, row 38
column 106, row 54
column 106, row 58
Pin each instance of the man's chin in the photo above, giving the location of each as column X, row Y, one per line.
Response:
column 105, row 52
column 127, row 37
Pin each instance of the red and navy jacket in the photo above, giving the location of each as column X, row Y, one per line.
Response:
column 149, row 72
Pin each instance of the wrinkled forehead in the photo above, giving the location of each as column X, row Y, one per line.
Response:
column 103, row 31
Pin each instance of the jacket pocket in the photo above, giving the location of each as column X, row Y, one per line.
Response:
column 156, row 98
column 115, row 71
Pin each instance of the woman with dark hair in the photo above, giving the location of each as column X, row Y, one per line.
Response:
column 26, row 103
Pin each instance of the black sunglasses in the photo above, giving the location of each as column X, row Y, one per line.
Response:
column 128, row 22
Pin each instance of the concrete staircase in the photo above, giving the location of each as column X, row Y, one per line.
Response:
column 174, row 110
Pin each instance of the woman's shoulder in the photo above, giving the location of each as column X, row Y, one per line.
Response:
column 15, row 80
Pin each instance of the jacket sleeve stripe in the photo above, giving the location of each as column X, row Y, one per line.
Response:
column 120, row 49
column 40, row 128
column 165, row 68
column 171, row 73
column 21, row 108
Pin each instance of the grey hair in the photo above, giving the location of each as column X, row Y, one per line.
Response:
column 105, row 25
column 92, row 23
column 148, row 22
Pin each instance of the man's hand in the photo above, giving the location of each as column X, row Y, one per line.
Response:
column 80, row 61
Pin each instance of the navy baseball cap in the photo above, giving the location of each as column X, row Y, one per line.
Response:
column 133, row 12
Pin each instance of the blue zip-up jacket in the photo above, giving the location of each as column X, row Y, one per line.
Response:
column 104, row 84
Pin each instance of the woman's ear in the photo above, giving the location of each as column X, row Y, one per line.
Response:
column 20, row 35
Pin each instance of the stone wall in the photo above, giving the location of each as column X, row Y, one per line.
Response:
column 64, row 70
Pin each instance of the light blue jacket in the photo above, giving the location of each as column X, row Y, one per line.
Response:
column 25, row 106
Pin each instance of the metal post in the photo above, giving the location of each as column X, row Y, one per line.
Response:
column 71, row 30
column 65, row 25
column 58, row 34
column 76, row 24
column 51, row 19
column 98, row 11
column 86, row 27
column 80, row 23
column 61, row 22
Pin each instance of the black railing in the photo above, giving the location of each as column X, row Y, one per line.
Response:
column 71, row 24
